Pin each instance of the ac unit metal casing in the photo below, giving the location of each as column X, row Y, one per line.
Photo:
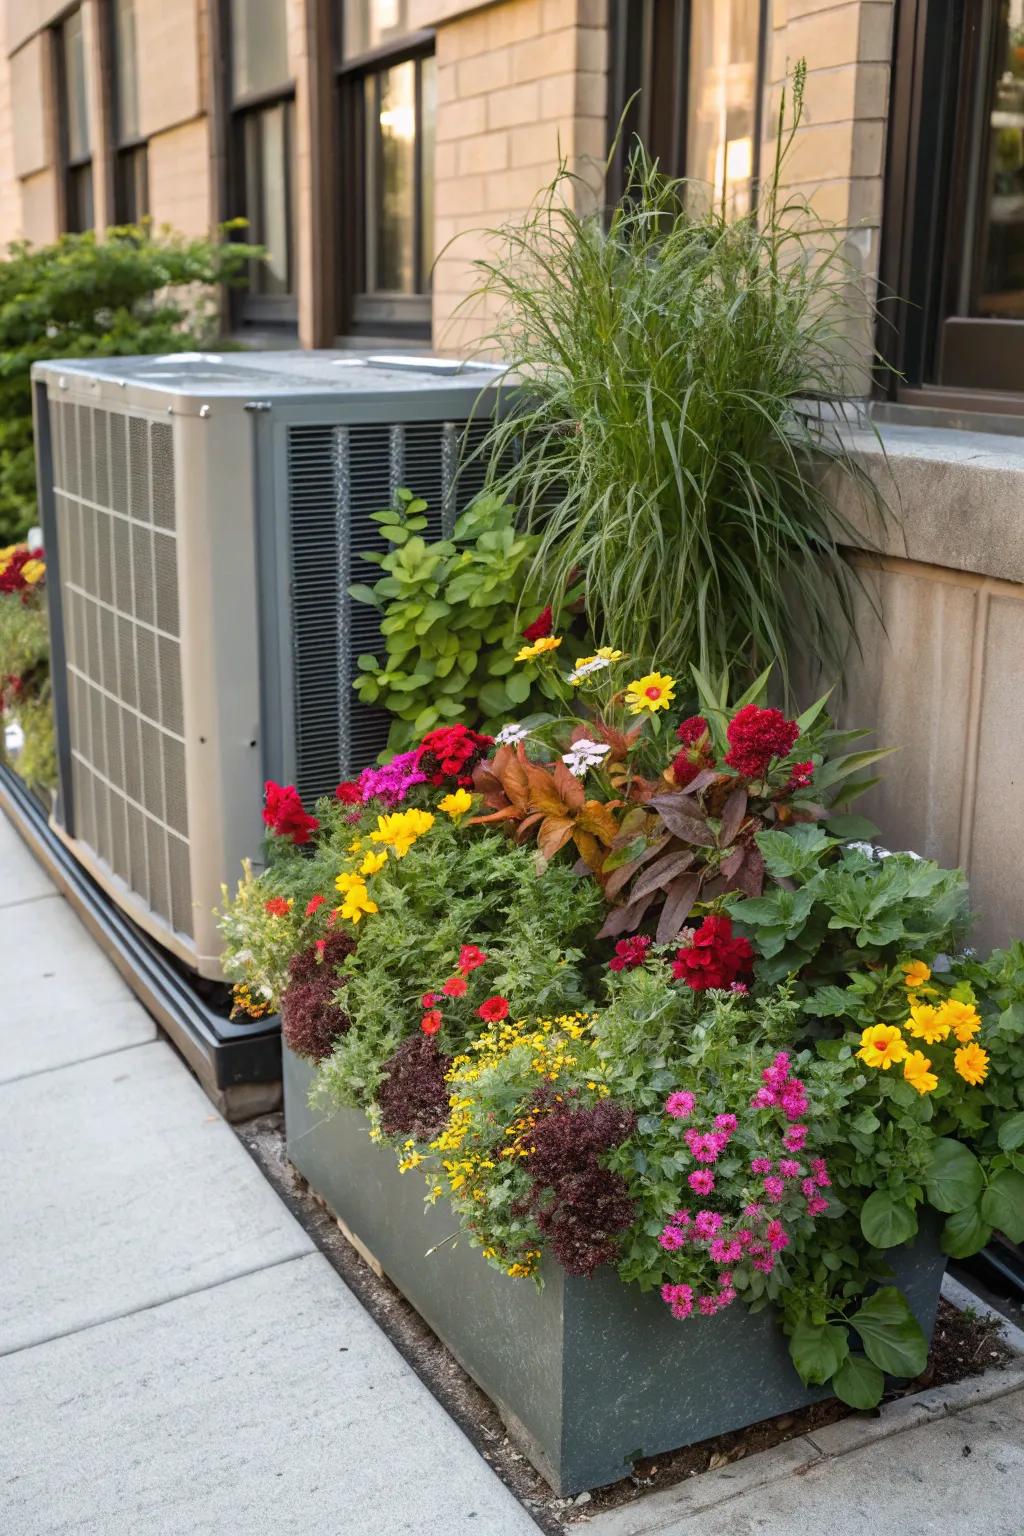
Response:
column 203, row 516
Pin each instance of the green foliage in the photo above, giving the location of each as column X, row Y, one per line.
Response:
column 135, row 290
column 452, row 615
column 672, row 442
column 25, row 656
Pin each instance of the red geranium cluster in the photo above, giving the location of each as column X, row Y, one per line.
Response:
column 283, row 813
column 450, row 753
column 757, row 737
column 696, row 755
column 714, row 958
column 629, row 953
column 491, row 1010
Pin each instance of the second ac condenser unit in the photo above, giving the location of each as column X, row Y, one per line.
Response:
column 203, row 517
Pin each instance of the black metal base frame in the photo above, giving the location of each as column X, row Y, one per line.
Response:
column 238, row 1064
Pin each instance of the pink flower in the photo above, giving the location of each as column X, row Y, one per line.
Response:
column 761, row 1165
column 739, row 986
column 764, row 1098
column 702, row 1182
column 680, row 1219
column 795, row 1137
column 680, row 1104
column 726, row 1250
column 788, row 1168
column 705, row 1149
column 809, row 1188
column 753, row 1212
column 765, row 1265
column 726, row 1122
column 816, row 1206
column 726, row 1297
column 707, row 1224
column 819, row 1168
column 775, row 1189
column 679, row 1298
column 671, row 1239
column 776, row 1236
column 744, row 1237
column 708, row 1306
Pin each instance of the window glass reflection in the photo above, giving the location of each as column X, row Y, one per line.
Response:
column 722, row 104
column 998, row 283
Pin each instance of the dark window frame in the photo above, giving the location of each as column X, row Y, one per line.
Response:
column 76, row 195
column 360, row 312
column 649, row 85
column 935, row 357
column 129, row 176
column 244, row 307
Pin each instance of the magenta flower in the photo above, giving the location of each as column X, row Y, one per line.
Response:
column 775, row 1189
column 810, row 1189
column 726, row 1122
column 795, row 1137
column 708, row 1306
column 671, row 1239
column 679, row 1298
column 776, row 1236
column 680, row 1104
column 819, row 1168
column 788, row 1168
column 816, row 1206
column 701, row 1182
column 761, row 1165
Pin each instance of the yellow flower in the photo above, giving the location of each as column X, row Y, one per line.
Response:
column 881, row 1045
column 539, row 648
column 33, row 571
column 607, row 654
column 372, row 863
column 401, row 829
column 357, row 901
column 347, row 882
column 456, row 804
column 962, row 1018
column 918, row 1073
column 356, row 845
column 972, row 1063
column 650, row 693
column 925, row 1023
column 915, row 974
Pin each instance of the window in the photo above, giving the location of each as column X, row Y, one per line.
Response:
column 688, row 75
column 387, row 116
column 131, row 170
column 954, row 219
column 73, row 124
column 262, row 155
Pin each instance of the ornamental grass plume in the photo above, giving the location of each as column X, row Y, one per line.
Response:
column 689, row 378
column 311, row 1020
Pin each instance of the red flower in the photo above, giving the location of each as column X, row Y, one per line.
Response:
column 283, row 813
column 756, row 736
column 715, row 958
column 801, row 776
column 450, row 753
column 629, row 953
column 684, row 769
column 455, row 986
column 314, row 904
column 541, row 626
column 470, row 957
column 690, row 731
column 277, row 906
column 431, row 1022
column 429, row 999
column 348, row 792
column 320, row 946
column 493, row 1009
column 11, row 577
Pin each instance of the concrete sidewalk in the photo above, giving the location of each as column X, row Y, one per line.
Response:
column 175, row 1356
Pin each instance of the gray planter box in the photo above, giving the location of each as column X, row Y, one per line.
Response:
column 588, row 1375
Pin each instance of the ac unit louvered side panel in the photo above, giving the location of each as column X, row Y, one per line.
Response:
column 338, row 477
column 116, row 530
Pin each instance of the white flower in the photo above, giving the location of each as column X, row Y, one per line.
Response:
column 584, row 668
column 510, row 734
column 584, row 754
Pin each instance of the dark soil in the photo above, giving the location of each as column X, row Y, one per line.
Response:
column 963, row 1345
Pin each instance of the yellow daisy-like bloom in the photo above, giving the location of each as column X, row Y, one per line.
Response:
column 372, row 863
column 456, row 804
column 606, row 653
column 926, row 1023
column 401, row 829
column 33, row 571
column 357, row 901
column 645, row 695
column 972, row 1063
column 917, row 1070
column 348, row 882
column 539, row 648
column 915, row 974
column 881, row 1045
column 962, row 1018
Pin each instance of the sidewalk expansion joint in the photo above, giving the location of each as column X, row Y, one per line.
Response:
column 25, row 901
column 80, row 1061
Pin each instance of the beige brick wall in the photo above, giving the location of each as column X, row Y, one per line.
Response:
column 519, row 85
column 179, row 178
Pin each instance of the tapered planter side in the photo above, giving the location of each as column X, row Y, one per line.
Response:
column 587, row 1374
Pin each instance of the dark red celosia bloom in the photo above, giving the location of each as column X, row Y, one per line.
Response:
column 349, row 793
column 756, row 736
column 470, row 956
column 449, row 754
column 493, row 1009
column 578, row 1203
column 629, row 953
column 541, row 626
column 413, row 1096
column 801, row 776
column 431, row 1022
column 311, row 1020
column 685, row 767
column 715, row 958
column 692, row 730
column 283, row 813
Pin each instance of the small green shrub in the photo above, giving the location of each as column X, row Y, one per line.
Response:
column 135, row 290
column 452, row 617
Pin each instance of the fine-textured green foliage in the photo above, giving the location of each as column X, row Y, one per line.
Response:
column 685, row 377
column 452, row 615
column 133, row 291
column 25, row 686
